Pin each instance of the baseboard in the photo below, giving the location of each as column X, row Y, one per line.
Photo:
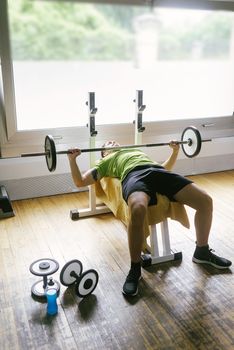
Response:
column 40, row 186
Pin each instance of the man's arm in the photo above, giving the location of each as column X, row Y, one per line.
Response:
column 80, row 180
column 170, row 162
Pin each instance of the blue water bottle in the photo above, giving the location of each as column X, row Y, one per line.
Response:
column 52, row 307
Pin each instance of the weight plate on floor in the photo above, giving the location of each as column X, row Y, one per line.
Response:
column 44, row 267
column 87, row 283
column 70, row 272
column 38, row 291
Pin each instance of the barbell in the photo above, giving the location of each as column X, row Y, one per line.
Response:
column 190, row 141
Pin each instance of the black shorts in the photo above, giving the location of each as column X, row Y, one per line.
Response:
column 152, row 180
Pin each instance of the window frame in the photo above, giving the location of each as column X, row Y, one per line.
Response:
column 7, row 72
column 186, row 4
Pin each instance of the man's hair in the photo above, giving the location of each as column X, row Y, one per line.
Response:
column 103, row 151
column 106, row 144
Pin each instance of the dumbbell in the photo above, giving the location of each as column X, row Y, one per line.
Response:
column 44, row 268
column 85, row 282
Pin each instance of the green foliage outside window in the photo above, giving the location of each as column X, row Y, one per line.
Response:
column 44, row 30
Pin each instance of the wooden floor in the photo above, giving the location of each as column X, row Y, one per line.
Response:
column 180, row 305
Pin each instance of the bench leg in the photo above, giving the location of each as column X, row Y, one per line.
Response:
column 166, row 254
column 93, row 209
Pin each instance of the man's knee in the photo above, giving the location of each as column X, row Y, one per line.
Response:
column 138, row 206
column 204, row 202
column 207, row 202
column 138, row 209
column 195, row 197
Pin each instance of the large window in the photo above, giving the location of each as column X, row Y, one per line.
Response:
column 182, row 59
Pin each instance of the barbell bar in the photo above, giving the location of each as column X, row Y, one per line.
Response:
column 191, row 142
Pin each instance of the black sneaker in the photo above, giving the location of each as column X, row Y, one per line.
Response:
column 130, row 286
column 204, row 255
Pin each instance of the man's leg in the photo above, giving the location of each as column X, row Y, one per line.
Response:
column 137, row 204
column 199, row 200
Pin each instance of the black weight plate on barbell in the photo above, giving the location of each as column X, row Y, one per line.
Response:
column 87, row 283
column 50, row 150
column 193, row 136
column 66, row 277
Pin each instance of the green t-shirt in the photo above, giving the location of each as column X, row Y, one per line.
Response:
column 119, row 163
